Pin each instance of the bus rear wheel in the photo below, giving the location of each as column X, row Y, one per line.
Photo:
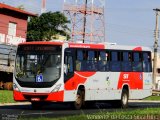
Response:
column 123, row 102
column 124, row 99
column 79, row 101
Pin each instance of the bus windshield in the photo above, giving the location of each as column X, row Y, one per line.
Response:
column 38, row 63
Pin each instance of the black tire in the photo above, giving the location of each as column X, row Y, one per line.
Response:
column 124, row 99
column 79, row 101
column 123, row 102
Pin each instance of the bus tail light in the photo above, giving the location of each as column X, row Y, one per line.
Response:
column 56, row 89
column 15, row 87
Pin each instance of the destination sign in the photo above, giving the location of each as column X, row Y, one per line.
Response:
column 38, row 48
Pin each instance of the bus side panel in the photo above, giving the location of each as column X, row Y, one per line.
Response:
column 71, row 86
column 107, row 94
column 109, row 87
column 147, row 88
column 106, row 86
column 140, row 94
column 133, row 79
column 96, row 86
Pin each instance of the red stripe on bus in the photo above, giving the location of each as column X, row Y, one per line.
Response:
column 82, row 45
column 18, row 96
column 133, row 79
column 79, row 78
column 56, row 96
column 137, row 49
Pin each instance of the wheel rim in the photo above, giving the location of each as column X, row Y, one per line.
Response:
column 124, row 99
column 78, row 101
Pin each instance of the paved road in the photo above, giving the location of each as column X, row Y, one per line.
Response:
column 59, row 110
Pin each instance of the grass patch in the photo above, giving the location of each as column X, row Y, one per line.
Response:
column 154, row 98
column 6, row 96
column 128, row 114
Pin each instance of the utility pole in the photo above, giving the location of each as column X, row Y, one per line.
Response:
column 155, row 49
column 84, row 24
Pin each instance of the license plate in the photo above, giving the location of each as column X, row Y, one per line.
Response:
column 35, row 99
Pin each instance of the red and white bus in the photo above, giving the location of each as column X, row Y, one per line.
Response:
column 81, row 73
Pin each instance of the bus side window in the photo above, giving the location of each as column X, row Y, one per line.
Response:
column 103, row 64
column 84, row 66
column 79, row 60
column 147, row 62
column 115, row 63
column 68, row 63
column 92, row 61
column 126, row 61
column 137, row 61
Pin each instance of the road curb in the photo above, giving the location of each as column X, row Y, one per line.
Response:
column 28, row 103
column 18, row 103
column 144, row 101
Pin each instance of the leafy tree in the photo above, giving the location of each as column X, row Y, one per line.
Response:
column 43, row 27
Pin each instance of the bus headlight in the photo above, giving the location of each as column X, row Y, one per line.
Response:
column 56, row 89
column 15, row 87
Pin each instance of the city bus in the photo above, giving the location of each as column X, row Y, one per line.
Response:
column 81, row 73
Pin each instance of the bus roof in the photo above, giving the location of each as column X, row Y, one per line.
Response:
column 41, row 43
column 90, row 46
column 109, row 46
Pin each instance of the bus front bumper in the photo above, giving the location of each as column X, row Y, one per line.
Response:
column 53, row 96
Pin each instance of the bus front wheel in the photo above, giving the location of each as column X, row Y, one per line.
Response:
column 79, row 101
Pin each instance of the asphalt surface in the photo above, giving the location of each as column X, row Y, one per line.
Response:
column 14, row 111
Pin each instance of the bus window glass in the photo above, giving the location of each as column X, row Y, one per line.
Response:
column 37, row 61
column 115, row 63
column 79, row 55
column 137, row 62
column 69, row 60
column 103, row 64
column 91, row 55
column 147, row 62
column 91, row 63
column 103, row 55
column 126, row 62
column 70, row 64
column 114, row 56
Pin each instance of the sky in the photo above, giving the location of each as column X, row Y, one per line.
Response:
column 127, row 22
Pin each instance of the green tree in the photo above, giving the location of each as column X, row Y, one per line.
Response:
column 43, row 27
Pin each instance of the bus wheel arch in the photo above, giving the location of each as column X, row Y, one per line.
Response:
column 80, row 98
